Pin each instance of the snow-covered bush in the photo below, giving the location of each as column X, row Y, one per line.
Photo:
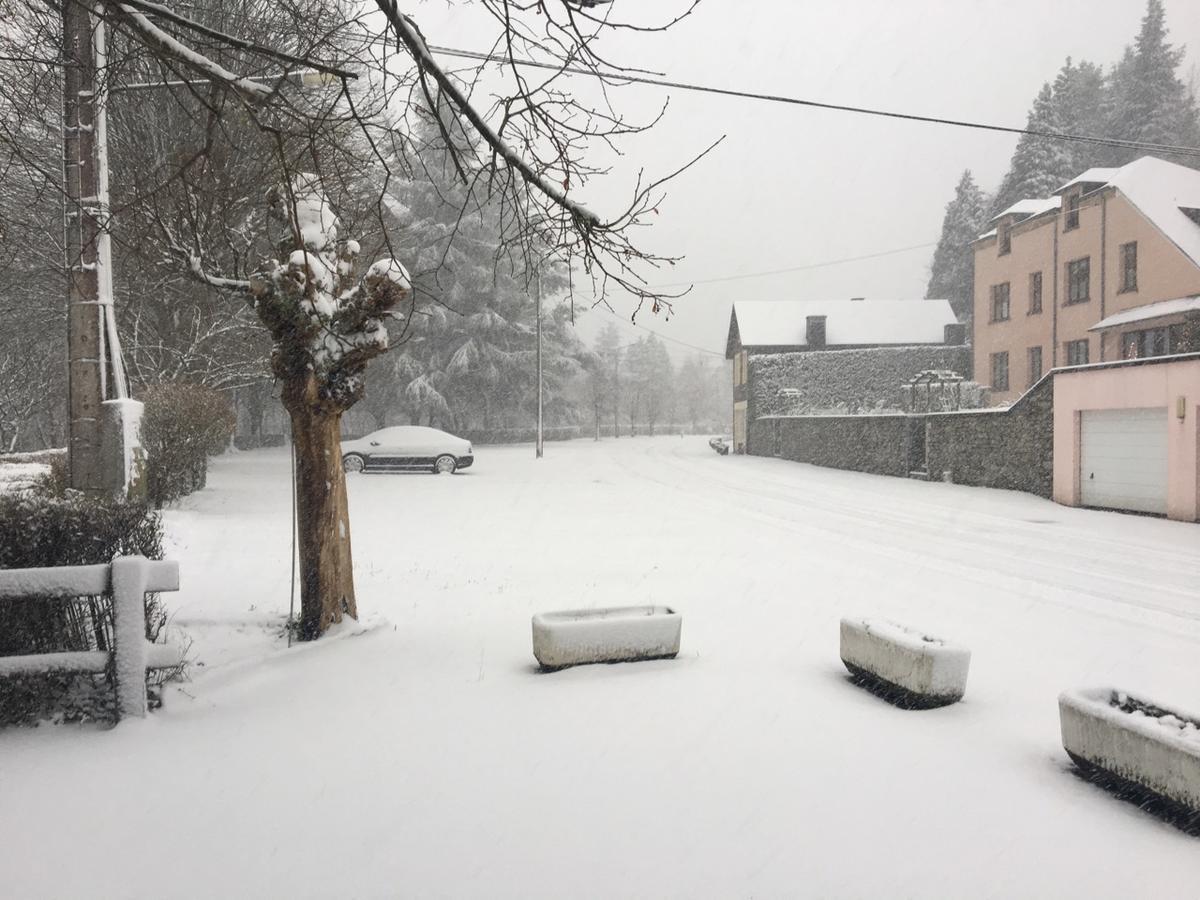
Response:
column 182, row 426
column 37, row 529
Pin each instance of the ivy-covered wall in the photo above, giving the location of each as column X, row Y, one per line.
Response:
column 844, row 381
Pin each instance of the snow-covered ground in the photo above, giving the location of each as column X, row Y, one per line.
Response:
column 421, row 754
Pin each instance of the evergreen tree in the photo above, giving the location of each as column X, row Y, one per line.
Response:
column 1146, row 99
column 1040, row 165
column 1079, row 103
column 952, row 275
column 469, row 361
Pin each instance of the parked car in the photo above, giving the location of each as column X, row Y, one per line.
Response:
column 721, row 443
column 407, row 448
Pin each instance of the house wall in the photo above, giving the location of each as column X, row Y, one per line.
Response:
column 1032, row 251
column 1106, row 221
column 1130, row 386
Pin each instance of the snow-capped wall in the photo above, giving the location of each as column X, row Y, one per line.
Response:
column 1002, row 448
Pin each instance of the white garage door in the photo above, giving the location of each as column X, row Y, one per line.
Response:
column 1123, row 459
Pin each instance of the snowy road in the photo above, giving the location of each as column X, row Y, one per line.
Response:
column 422, row 755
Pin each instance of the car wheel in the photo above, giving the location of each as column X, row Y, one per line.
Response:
column 445, row 465
column 352, row 462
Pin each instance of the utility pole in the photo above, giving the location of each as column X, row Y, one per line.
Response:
column 91, row 326
column 538, row 288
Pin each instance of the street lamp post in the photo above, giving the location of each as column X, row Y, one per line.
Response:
column 538, row 289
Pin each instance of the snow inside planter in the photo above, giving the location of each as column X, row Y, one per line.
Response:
column 619, row 634
column 904, row 666
column 1141, row 750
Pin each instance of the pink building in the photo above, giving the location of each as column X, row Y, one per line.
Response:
column 1126, row 436
column 1107, row 269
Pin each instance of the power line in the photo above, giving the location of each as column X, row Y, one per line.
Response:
column 803, row 268
column 817, row 104
column 665, row 337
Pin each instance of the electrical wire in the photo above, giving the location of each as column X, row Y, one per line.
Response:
column 629, row 77
column 664, row 337
column 803, row 268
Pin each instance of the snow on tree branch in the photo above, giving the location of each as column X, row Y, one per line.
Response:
column 158, row 39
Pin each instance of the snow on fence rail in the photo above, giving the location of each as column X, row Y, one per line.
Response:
column 128, row 579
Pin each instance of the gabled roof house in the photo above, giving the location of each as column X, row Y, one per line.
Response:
column 1108, row 268
column 780, row 329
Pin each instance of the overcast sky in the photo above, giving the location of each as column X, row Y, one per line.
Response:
column 792, row 186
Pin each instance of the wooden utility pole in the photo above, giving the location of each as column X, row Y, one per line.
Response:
column 85, row 319
column 91, row 326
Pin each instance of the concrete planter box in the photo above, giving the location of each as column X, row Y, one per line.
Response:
column 1140, row 749
column 619, row 634
column 906, row 667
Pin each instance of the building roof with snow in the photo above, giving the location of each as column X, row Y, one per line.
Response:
column 1024, row 209
column 1150, row 312
column 1166, row 193
column 778, row 325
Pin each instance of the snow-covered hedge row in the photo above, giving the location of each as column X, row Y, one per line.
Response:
column 182, row 426
column 844, row 381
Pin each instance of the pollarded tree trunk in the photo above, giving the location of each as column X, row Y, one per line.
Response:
column 322, row 511
column 327, row 324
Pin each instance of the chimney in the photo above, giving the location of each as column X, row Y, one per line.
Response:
column 814, row 332
column 955, row 335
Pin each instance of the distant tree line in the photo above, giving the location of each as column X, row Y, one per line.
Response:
column 1139, row 98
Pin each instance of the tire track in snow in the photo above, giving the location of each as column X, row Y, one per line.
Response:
column 1000, row 575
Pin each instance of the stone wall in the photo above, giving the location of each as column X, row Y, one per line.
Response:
column 878, row 443
column 844, row 381
column 1011, row 448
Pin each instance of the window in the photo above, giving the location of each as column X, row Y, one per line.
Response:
column 1128, row 267
column 1005, row 238
column 1072, row 211
column 1077, row 353
column 1035, row 365
column 1000, row 302
column 1035, row 293
column 1079, row 279
column 1150, row 342
column 999, row 371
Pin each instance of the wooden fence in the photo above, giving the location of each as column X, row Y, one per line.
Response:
column 127, row 579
